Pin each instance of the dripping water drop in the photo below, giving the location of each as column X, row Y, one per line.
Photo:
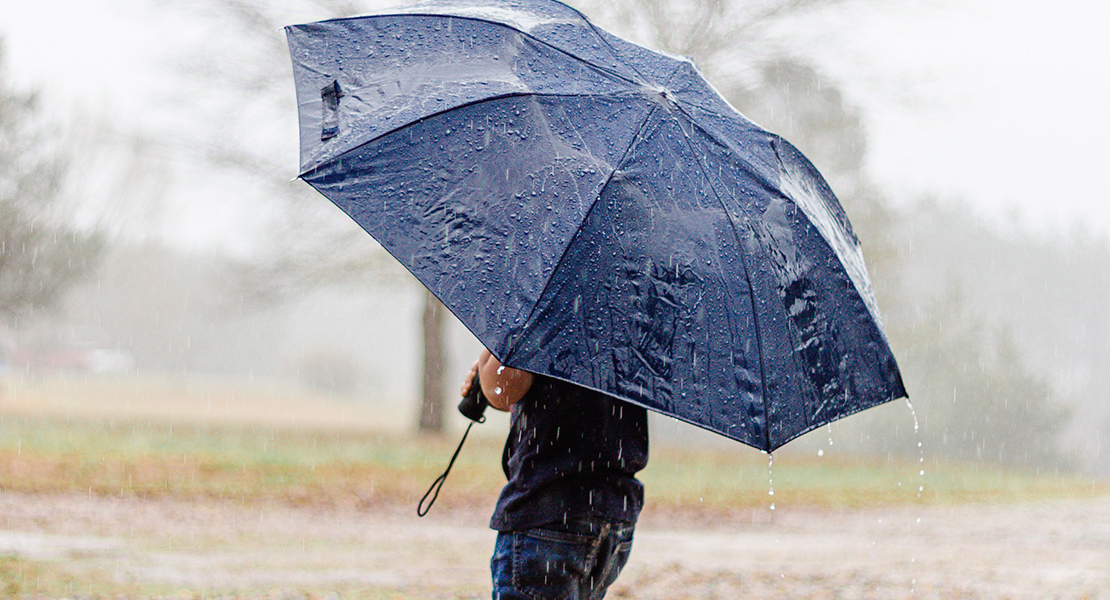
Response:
column 771, row 477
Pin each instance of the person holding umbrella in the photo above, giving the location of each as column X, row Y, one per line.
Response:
column 565, row 519
column 602, row 219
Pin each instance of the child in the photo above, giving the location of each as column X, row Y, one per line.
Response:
column 566, row 516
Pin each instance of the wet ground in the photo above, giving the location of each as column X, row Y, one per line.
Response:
column 1058, row 549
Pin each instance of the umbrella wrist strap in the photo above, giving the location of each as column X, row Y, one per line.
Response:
column 437, row 485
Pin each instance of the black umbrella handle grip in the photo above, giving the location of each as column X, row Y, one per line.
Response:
column 473, row 407
column 474, row 403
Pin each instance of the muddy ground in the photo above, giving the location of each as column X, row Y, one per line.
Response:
column 210, row 549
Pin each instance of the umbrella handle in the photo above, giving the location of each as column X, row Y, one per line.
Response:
column 473, row 407
column 437, row 485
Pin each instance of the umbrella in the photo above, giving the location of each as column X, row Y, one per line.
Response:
column 595, row 211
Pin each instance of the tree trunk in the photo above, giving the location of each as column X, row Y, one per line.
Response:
column 433, row 398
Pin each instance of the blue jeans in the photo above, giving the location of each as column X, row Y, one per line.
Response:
column 576, row 560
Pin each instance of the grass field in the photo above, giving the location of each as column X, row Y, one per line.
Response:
column 253, row 448
column 193, row 438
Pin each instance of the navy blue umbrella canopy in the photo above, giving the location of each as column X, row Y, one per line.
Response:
column 595, row 211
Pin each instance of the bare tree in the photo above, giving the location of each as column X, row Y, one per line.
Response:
column 42, row 253
column 432, row 405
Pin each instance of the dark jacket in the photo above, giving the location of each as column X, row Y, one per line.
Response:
column 571, row 452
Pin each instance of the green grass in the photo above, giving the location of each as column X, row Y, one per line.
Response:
column 39, row 579
column 250, row 463
column 263, row 442
column 241, row 462
column 26, row 578
column 332, row 463
column 744, row 478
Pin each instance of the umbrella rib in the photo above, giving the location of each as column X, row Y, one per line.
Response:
column 600, row 192
column 693, row 122
column 747, row 277
column 597, row 30
column 576, row 58
column 429, row 116
column 529, row 36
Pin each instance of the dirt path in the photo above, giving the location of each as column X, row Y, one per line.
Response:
column 211, row 549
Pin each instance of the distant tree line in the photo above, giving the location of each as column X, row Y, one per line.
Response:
column 42, row 251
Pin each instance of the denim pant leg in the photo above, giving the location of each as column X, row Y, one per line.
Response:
column 577, row 560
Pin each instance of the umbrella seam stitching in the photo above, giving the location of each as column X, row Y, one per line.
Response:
column 528, row 35
column 809, row 427
column 427, row 117
column 747, row 274
column 578, row 229
column 525, row 34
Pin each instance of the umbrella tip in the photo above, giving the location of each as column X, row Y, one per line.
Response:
column 659, row 94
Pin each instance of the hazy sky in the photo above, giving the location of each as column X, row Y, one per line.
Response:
column 1002, row 103
column 1008, row 105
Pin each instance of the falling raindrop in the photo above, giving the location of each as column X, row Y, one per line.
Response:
column 920, row 448
column 920, row 474
column 771, row 477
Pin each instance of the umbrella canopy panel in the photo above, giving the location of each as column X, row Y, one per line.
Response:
column 595, row 211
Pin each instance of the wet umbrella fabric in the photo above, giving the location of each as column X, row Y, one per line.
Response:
column 595, row 211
